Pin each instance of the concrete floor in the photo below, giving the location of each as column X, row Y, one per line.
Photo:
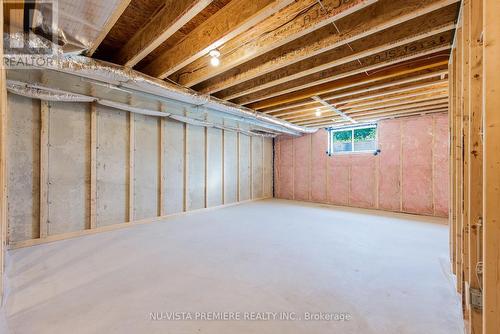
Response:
column 388, row 271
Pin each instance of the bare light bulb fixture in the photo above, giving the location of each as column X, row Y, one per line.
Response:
column 214, row 60
column 318, row 113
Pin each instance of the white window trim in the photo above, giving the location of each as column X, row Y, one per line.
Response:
column 352, row 129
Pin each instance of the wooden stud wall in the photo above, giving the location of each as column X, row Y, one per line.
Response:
column 475, row 166
column 117, row 187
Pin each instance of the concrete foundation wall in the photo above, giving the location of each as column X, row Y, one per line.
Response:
column 409, row 175
column 200, row 168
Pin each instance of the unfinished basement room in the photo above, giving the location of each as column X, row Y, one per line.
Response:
column 250, row 166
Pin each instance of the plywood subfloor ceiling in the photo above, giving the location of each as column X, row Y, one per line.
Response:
column 315, row 63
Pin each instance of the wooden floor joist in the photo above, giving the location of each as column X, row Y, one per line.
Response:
column 336, row 57
column 407, row 84
column 371, row 21
column 229, row 22
column 174, row 15
column 375, row 62
column 119, row 9
column 394, row 101
column 293, row 23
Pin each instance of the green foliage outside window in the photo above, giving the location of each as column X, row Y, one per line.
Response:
column 365, row 134
column 343, row 136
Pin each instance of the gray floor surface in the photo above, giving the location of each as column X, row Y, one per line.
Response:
column 377, row 272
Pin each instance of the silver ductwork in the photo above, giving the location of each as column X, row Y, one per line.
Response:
column 35, row 91
column 119, row 77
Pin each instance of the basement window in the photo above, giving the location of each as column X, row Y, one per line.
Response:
column 352, row 140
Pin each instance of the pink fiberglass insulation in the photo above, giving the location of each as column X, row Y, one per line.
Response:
column 441, row 166
column 417, row 165
column 338, row 179
column 363, row 191
column 319, row 161
column 302, row 167
column 389, row 140
column 286, row 168
column 409, row 175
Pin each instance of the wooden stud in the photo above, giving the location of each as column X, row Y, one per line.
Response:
column 223, row 165
column 475, row 153
column 465, row 159
column 452, row 133
column 163, row 156
column 44, row 168
column 110, row 23
column 491, row 180
column 459, row 165
column 252, row 191
column 93, row 165
column 131, row 167
column 238, row 164
column 186, row 168
column 207, row 154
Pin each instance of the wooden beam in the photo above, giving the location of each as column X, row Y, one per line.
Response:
column 432, row 98
column 117, row 13
column 438, row 103
column 491, row 181
column 227, row 23
column 409, row 80
column 375, row 62
column 400, row 98
column 286, row 34
column 174, row 15
column 475, row 152
column 367, row 47
column 438, row 88
column 377, row 117
column 325, row 115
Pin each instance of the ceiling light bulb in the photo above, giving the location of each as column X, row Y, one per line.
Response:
column 214, row 61
column 214, row 53
column 318, row 113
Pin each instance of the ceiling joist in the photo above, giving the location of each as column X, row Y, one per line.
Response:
column 174, row 15
column 327, row 45
column 229, row 22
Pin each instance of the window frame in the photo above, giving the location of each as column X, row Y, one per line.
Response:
column 332, row 131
